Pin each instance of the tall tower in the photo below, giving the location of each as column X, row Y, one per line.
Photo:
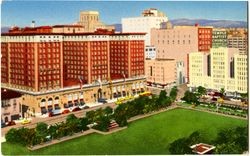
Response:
column 90, row 20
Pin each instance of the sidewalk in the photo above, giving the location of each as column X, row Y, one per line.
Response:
column 201, row 110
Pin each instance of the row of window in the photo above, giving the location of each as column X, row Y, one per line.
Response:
column 205, row 31
column 173, row 36
column 49, row 84
column 49, row 44
column 49, row 50
column 48, row 77
column 56, row 71
column 48, row 67
column 49, row 61
column 84, row 44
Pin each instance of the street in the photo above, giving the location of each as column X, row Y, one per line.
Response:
column 55, row 119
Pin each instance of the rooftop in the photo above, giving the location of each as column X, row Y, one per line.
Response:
column 9, row 94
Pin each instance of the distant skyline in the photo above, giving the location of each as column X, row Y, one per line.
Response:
column 21, row 13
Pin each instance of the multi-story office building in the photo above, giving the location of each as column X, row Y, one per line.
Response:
column 179, row 41
column 54, row 69
column 219, row 38
column 221, row 68
column 160, row 72
column 151, row 18
column 90, row 20
column 238, row 38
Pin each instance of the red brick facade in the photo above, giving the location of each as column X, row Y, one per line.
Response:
column 205, row 39
column 22, row 64
column 75, row 62
column 137, row 58
column 49, row 65
column 119, row 59
column 41, row 60
column 4, row 63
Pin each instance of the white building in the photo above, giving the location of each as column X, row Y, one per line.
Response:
column 222, row 68
column 151, row 18
column 150, row 52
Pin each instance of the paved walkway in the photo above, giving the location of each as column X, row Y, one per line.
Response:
column 76, row 135
column 221, row 114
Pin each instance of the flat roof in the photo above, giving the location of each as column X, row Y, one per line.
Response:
column 68, row 34
column 9, row 94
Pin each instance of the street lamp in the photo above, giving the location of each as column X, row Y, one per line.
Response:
column 124, row 81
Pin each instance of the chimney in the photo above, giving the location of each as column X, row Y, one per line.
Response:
column 33, row 24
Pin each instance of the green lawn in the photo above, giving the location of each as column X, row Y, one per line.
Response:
column 151, row 135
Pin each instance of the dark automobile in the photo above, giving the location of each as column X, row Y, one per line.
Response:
column 102, row 100
column 76, row 109
column 214, row 99
column 85, row 107
column 11, row 123
column 3, row 125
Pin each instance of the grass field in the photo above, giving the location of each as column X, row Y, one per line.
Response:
column 151, row 135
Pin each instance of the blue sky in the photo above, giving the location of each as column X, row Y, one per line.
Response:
column 21, row 13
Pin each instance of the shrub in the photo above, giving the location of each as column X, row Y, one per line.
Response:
column 41, row 131
column 12, row 136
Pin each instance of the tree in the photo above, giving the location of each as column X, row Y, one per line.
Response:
column 190, row 97
column 161, row 101
column 103, row 123
column 244, row 95
column 90, row 115
column 41, row 131
column 180, row 146
column 72, row 123
column 222, row 91
column 202, row 90
column 173, row 93
column 24, row 136
column 120, row 115
column 71, row 118
column 83, row 122
column 194, row 138
column 232, row 141
column 163, row 95
column 108, row 111
column 52, row 130
column 229, row 148
column 12, row 136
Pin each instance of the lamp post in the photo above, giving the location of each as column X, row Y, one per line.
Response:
column 124, row 81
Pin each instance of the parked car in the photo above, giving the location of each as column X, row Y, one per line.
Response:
column 214, row 99
column 25, row 121
column 11, row 123
column 85, row 107
column 65, row 111
column 55, row 113
column 76, row 109
column 3, row 125
column 82, row 106
column 102, row 100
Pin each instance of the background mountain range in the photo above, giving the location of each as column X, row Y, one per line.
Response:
column 184, row 21
column 203, row 22
column 214, row 23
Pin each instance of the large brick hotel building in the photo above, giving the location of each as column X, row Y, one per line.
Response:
column 62, row 65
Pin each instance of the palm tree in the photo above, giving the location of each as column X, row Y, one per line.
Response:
column 222, row 91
